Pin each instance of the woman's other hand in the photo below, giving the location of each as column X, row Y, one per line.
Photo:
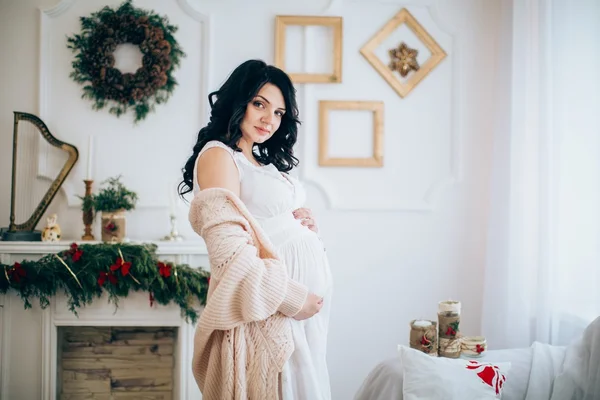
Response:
column 307, row 218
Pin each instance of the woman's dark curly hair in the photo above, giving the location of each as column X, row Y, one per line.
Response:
column 228, row 111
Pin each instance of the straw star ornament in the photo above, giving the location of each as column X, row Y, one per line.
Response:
column 404, row 59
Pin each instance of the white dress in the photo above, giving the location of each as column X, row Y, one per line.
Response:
column 271, row 197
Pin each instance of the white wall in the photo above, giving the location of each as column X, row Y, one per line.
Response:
column 397, row 248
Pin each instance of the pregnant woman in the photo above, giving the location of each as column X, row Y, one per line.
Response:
column 243, row 158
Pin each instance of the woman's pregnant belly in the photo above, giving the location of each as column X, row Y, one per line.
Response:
column 301, row 250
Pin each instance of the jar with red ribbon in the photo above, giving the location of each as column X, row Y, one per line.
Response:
column 473, row 346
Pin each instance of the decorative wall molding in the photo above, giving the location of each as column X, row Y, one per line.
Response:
column 48, row 16
column 436, row 15
column 205, row 49
column 401, row 3
column 58, row 9
column 332, row 7
column 456, row 158
column 308, row 93
column 321, row 185
column 427, row 201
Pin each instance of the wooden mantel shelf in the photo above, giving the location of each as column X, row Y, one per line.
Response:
column 163, row 247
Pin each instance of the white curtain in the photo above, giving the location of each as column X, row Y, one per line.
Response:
column 542, row 273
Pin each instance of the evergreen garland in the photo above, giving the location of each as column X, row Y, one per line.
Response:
column 152, row 84
column 85, row 272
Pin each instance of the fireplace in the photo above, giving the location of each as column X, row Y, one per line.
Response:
column 47, row 353
column 124, row 351
column 116, row 362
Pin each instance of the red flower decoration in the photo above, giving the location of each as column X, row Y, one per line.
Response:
column 450, row 331
column 75, row 252
column 122, row 265
column 164, row 269
column 489, row 374
column 479, row 348
column 110, row 227
column 104, row 275
column 17, row 272
column 425, row 342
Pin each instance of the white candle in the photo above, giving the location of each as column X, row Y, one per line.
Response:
column 89, row 157
column 171, row 203
column 449, row 306
column 422, row 323
column 173, row 198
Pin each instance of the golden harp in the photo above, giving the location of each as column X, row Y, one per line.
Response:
column 35, row 128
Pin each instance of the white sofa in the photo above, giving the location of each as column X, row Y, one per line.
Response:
column 540, row 372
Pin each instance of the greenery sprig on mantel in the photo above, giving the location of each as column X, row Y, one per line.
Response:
column 114, row 196
column 84, row 272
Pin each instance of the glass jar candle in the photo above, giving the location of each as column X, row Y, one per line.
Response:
column 449, row 328
column 473, row 346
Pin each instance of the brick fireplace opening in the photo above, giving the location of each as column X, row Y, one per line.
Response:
column 111, row 363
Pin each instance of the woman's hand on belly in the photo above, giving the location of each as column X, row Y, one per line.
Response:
column 308, row 220
column 312, row 305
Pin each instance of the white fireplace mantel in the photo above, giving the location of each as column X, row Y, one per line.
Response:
column 28, row 338
column 163, row 247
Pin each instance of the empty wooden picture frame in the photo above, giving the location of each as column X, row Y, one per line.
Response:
column 325, row 107
column 283, row 21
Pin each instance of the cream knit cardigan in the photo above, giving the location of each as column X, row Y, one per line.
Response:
column 243, row 337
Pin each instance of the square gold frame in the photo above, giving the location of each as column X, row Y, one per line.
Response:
column 283, row 21
column 437, row 53
column 325, row 106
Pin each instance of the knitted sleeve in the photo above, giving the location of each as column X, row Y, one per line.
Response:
column 247, row 287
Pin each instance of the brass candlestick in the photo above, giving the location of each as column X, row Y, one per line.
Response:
column 88, row 215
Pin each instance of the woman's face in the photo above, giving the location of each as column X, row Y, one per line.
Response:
column 263, row 114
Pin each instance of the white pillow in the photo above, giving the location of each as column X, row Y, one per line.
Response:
column 429, row 377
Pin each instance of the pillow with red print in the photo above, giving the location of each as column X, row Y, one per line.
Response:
column 431, row 378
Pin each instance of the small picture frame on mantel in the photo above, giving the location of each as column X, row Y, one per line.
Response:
column 282, row 22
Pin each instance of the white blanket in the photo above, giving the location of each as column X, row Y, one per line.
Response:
column 545, row 365
column 579, row 377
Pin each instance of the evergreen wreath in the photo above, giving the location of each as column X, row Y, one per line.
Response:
column 85, row 272
column 152, row 84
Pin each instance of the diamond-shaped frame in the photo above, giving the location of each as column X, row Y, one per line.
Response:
column 437, row 53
